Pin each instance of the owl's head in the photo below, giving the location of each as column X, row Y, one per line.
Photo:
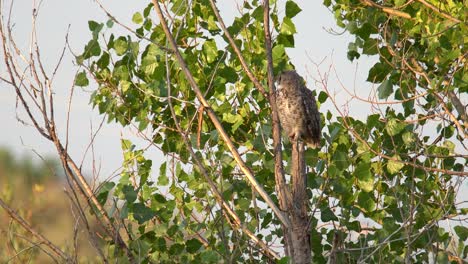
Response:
column 289, row 80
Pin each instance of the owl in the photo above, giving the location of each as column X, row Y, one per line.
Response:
column 297, row 109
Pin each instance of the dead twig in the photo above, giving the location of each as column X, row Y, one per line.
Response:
column 43, row 240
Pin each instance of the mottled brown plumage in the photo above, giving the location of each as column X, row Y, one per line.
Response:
column 297, row 109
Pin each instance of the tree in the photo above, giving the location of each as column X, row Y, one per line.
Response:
column 201, row 92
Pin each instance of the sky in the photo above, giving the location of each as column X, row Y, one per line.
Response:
column 314, row 44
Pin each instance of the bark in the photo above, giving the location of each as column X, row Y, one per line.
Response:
column 284, row 196
column 299, row 220
column 458, row 106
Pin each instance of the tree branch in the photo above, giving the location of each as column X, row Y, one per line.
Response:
column 237, row 51
column 248, row 173
column 48, row 130
column 284, row 195
column 438, row 11
column 371, row 149
column 217, row 194
column 33, row 232
column 387, row 10
column 458, row 106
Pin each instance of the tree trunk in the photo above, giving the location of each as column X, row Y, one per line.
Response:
column 299, row 220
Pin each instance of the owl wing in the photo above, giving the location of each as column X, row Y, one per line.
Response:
column 283, row 110
column 312, row 118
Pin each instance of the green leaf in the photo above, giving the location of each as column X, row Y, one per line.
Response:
column 408, row 137
column 244, row 204
column 91, row 49
column 288, row 27
column 372, row 120
column 278, row 53
column 364, row 176
column 179, row 7
column 366, row 202
column 258, row 14
column 286, row 40
column 103, row 62
column 229, row 74
column 193, row 245
column 210, row 50
column 462, row 232
column 399, row 2
column 110, row 23
column 393, row 165
column 341, row 160
column 370, row 47
column 209, row 256
column 292, row 9
column 327, row 215
column 121, row 46
column 137, row 18
column 162, row 179
column 126, row 144
column 394, row 126
column 93, row 25
column 385, row 89
column 129, row 193
column 176, row 249
column 141, row 213
column 212, row 26
column 81, row 79
column 378, row 72
column 148, row 9
column 104, row 190
column 322, row 97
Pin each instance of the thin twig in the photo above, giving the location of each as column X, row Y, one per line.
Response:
column 237, row 51
column 33, row 232
column 247, row 171
column 218, row 196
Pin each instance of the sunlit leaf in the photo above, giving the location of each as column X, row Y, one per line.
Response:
column 137, row 18
column 394, row 165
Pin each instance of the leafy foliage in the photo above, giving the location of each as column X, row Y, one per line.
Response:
column 422, row 66
column 378, row 189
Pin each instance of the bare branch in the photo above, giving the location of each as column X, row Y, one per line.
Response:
column 58, row 252
column 48, row 130
column 371, row 149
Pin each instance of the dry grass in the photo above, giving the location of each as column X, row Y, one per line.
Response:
column 42, row 202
